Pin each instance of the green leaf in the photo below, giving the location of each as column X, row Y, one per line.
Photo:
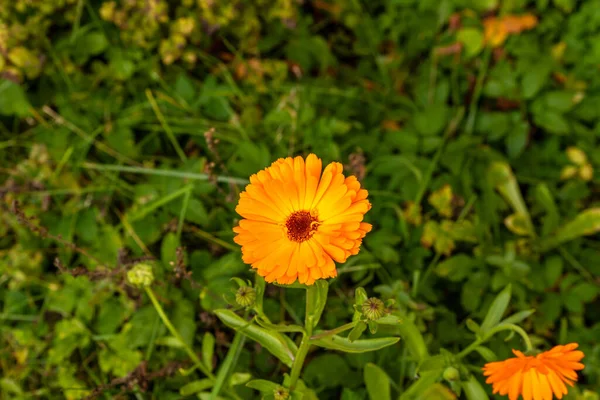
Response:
column 358, row 346
column 326, row 371
column 534, row 79
column 409, row 333
column 168, row 249
column 517, row 317
column 545, row 198
column 473, row 389
column 517, row 224
column 560, row 100
column 585, row 223
column 316, row 299
column 431, row 121
column 552, row 121
column 426, row 380
column 501, row 177
column 472, row 40
column 13, row 100
column 357, row 331
column 487, row 354
column 195, row 387
column 262, row 385
column 239, row 378
column 433, row 363
column 377, row 382
column 208, row 349
column 456, row 268
column 473, row 326
column 496, row 310
column 279, row 327
column 284, row 350
column 585, row 292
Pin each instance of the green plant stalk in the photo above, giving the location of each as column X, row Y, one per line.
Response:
column 176, row 334
column 300, row 356
column 230, row 361
column 485, row 63
column 304, row 345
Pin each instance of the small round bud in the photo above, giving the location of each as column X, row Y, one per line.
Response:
column 140, row 275
column 451, row 374
column 281, row 393
column 245, row 296
column 373, row 308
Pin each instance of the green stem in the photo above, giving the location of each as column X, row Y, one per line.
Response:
column 485, row 62
column 229, row 363
column 299, row 360
column 304, row 344
column 334, row 331
column 176, row 334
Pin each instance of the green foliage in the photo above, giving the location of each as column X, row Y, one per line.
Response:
column 129, row 128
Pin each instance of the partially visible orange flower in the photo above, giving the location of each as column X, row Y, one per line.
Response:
column 298, row 221
column 536, row 377
column 498, row 29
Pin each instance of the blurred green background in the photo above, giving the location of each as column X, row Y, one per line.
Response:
column 130, row 127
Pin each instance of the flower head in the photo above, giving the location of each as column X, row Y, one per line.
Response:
column 140, row 275
column 281, row 393
column 536, row 377
column 299, row 219
column 373, row 309
column 245, row 296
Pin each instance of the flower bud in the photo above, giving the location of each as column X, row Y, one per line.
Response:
column 373, row 308
column 281, row 393
column 451, row 374
column 245, row 296
column 140, row 275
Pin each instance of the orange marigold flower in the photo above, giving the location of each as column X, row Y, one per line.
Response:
column 536, row 377
column 298, row 221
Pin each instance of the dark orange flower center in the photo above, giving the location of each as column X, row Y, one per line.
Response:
column 300, row 226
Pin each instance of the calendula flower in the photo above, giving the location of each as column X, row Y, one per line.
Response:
column 536, row 377
column 299, row 220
